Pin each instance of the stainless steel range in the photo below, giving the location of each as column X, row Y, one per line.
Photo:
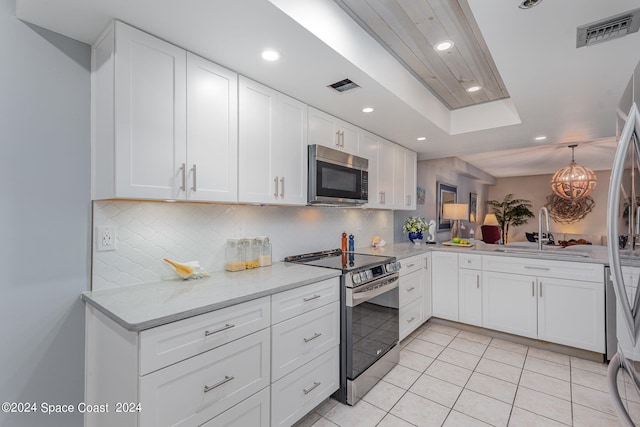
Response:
column 369, row 328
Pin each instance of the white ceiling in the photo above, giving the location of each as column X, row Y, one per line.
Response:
column 568, row 94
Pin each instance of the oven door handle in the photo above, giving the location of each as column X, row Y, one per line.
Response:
column 363, row 296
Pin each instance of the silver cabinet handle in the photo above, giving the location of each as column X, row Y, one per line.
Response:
column 540, row 289
column 193, row 169
column 411, row 288
column 478, row 281
column 226, row 379
column 282, row 187
column 411, row 320
column 533, row 289
column 410, row 265
column 408, row 200
column 468, row 261
column 342, row 139
column 337, row 138
column 530, row 267
column 316, row 335
column 183, row 170
column 276, row 181
column 311, row 298
column 224, row 328
column 310, row 389
column 382, row 198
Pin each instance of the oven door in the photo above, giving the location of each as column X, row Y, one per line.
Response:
column 372, row 323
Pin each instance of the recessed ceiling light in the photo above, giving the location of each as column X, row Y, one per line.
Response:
column 540, row 138
column 270, row 55
column 474, row 88
column 367, row 110
column 528, row 4
column 443, row 45
column 422, row 138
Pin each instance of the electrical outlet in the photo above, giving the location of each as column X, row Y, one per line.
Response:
column 106, row 238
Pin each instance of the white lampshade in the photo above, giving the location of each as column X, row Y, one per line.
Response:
column 455, row 211
column 490, row 219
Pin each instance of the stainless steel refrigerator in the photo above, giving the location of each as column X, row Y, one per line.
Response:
column 623, row 232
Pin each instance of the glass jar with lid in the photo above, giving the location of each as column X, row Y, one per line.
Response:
column 234, row 255
column 252, row 252
column 265, row 251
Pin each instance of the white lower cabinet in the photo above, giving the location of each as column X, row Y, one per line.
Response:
column 470, row 296
column 231, row 367
column 444, row 275
column 411, row 294
column 427, row 306
column 294, row 395
column 254, row 411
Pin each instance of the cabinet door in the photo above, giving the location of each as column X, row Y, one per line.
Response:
column 571, row 312
column 322, row 130
column 445, row 285
column 385, row 175
column 427, row 309
column 411, row 287
column 257, row 180
column 509, row 303
column 150, row 116
column 291, row 155
column 470, row 301
column 399, row 199
column 348, row 137
column 212, row 131
column 369, row 150
column 410, row 179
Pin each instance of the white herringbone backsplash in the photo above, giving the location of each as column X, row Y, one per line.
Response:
column 146, row 232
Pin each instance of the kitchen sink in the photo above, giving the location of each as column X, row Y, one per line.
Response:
column 537, row 252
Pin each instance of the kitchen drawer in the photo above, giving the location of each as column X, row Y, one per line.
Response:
column 471, row 261
column 173, row 342
column 285, row 305
column 411, row 286
column 293, row 396
column 296, row 341
column 254, row 412
column 411, row 317
column 414, row 263
column 177, row 395
column 585, row 271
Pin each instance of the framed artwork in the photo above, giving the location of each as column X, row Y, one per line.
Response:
column 420, row 193
column 445, row 193
column 473, row 207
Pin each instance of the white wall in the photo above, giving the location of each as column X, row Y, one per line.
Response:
column 44, row 217
column 146, row 232
column 429, row 173
column 536, row 188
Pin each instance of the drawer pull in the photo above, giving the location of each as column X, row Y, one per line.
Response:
column 530, row 267
column 311, row 298
column 224, row 328
column 309, row 390
column 540, row 289
column 218, row 384
column 410, row 265
column 316, row 335
column 411, row 320
column 468, row 261
column 411, row 288
column 533, row 289
column 478, row 281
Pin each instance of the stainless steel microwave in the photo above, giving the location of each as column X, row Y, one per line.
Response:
column 336, row 177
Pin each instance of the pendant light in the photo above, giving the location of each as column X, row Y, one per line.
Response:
column 573, row 181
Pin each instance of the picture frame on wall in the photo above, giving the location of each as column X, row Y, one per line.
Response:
column 420, row 195
column 473, row 207
column 445, row 193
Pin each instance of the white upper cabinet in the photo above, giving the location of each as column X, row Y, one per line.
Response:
column 332, row 132
column 410, row 179
column 146, row 142
column 272, row 146
column 212, row 131
column 385, row 195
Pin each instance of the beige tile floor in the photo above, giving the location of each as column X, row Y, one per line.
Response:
column 454, row 378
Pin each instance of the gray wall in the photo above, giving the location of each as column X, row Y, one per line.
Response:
column 44, row 217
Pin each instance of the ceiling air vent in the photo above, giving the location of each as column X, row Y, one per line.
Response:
column 608, row 29
column 343, row 85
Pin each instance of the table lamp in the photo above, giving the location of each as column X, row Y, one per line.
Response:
column 455, row 212
column 490, row 219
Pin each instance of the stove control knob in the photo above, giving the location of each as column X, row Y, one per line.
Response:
column 369, row 274
column 357, row 279
column 390, row 267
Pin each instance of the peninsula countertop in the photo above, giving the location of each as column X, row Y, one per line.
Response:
column 145, row 306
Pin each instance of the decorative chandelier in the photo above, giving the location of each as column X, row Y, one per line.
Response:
column 573, row 181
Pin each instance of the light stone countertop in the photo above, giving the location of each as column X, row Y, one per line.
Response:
column 145, row 306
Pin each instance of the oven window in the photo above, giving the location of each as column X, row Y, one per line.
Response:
column 374, row 330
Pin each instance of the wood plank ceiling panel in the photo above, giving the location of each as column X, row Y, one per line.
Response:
column 409, row 29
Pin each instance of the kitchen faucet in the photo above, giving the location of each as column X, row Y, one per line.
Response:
column 544, row 211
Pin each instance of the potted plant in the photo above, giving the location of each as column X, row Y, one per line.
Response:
column 415, row 226
column 511, row 211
